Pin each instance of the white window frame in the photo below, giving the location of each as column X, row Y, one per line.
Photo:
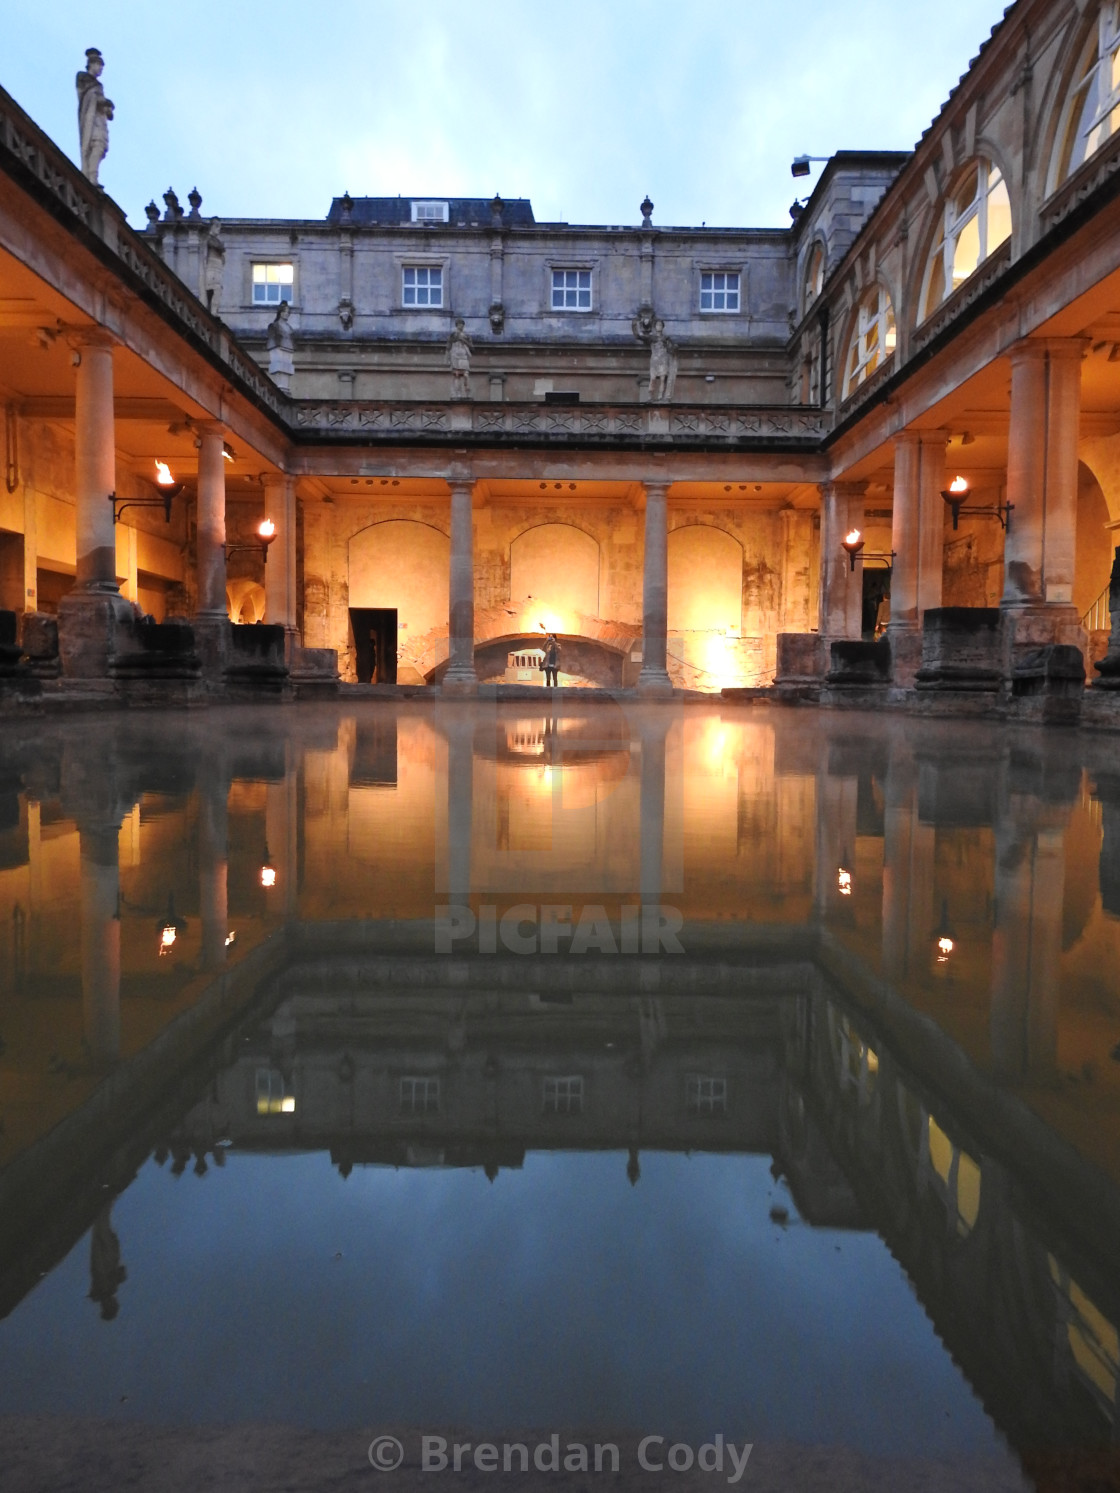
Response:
column 430, row 210
column 706, row 1094
column 989, row 182
column 711, row 274
column 428, row 269
column 419, row 1094
column 564, row 289
column 814, row 275
column 265, row 284
column 1092, row 112
column 873, row 339
column 562, row 1094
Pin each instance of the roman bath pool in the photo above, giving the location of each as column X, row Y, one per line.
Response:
column 631, row 1084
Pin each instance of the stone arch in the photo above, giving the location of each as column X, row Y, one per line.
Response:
column 1094, row 552
column 402, row 564
column 705, row 579
column 245, row 600
column 1057, row 105
column 556, row 564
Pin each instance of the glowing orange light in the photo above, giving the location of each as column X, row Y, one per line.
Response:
column 167, row 936
column 844, row 882
column 958, row 484
column 944, row 949
column 163, row 475
column 267, row 529
column 268, row 876
column 853, row 537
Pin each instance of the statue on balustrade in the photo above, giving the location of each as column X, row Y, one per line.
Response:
column 281, row 342
column 459, row 358
column 662, row 361
column 213, row 265
column 94, row 114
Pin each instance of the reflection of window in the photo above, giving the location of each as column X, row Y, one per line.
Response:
column 857, row 1064
column 571, row 290
column 563, row 1096
column 706, row 1096
column 873, row 340
column 272, row 1099
column 719, row 290
column 272, row 283
column 1092, row 113
column 423, row 285
column 419, row 1096
column 1090, row 1338
column 814, row 275
column 975, row 221
column 959, row 1176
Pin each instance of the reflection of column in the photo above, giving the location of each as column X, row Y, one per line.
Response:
column 461, row 677
column 909, row 850
column 841, row 603
column 654, row 676
column 652, row 733
column 1042, row 473
column 213, row 864
column 918, row 541
column 459, row 730
column 280, row 569
column 837, row 798
column 106, row 1273
column 101, row 941
column 1027, row 946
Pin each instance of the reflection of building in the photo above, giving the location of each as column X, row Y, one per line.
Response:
column 659, row 435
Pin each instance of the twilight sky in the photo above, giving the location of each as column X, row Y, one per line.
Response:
column 584, row 107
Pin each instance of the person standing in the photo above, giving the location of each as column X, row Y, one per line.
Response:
column 551, row 661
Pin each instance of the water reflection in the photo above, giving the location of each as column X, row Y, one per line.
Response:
column 896, row 981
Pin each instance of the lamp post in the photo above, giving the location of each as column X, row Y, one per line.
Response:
column 800, row 164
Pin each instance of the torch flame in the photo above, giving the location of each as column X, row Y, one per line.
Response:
column 167, row 937
column 268, row 876
column 267, row 529
column 853, row 538
column 163, row 475
column 958, row 484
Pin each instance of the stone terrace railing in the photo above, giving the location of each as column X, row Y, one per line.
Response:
column 33, row 160
column 676, row 427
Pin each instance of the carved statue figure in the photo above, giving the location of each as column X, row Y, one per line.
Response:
column 459, row 357
column 213, row 265
column 94, row 114
column 281, row 342
column 662, row 365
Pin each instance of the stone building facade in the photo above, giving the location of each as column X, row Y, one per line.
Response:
column 468, row 427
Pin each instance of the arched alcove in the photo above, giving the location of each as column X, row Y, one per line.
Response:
column 705, row 580
column 404, row 566
column 1093, row 562
column 558, row 565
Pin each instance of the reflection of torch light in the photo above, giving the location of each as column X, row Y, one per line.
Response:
column 268, row 870
column 844, row 882
column 167, row 938
column 944, row 934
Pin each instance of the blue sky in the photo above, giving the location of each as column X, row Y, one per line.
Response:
column 272, row 109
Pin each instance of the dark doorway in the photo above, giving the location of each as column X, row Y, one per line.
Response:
column 876, row 591
column 375, row 644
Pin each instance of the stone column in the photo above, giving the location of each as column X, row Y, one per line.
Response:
column 654, row 676
column 211, row 622
column 1042, row 488
column 101, row 941
column 909, row 860
column 841, row 604
column 797, row 545
column 1027, row 948
column 918, row 541
column 89, row 614
column 280, row 569
column 460, row 678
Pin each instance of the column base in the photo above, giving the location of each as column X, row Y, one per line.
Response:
column 211, row 635
column 906, row 654
column 88, row 627
column 459, row 684
column 802, row 662
column 655, row 683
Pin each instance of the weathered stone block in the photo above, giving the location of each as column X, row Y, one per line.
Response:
column 40, row 644
column 962, row 649
column 802, row 662
column 856, row 664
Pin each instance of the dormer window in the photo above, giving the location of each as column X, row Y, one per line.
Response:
column 430, row 212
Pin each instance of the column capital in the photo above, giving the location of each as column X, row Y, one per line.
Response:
column 843, row 487
column 1054, row 347
column 936, row 437
column 79, row 337
column 461, row 485
column 210, row 427
column 656, row 484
